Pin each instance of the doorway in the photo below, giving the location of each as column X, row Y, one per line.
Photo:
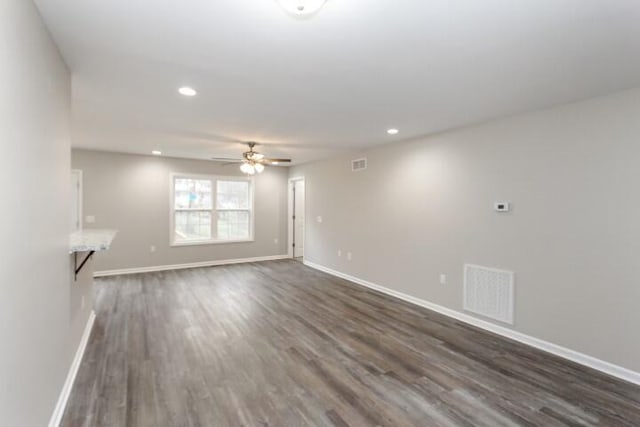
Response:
column 296, row 218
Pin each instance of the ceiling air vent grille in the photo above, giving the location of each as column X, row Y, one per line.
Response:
column 489, row 292
column 358, row 164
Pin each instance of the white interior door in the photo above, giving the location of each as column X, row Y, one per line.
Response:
column 298, row 222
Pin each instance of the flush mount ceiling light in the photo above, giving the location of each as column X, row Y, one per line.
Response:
column 156, row 152
column 187, row 91
column 302, row 7
column 392, row 131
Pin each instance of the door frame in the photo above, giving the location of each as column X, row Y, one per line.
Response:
column 290, row 186
column 79, row 202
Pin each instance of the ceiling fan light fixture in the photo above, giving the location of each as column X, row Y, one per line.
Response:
column 253, row 162
column 302, row 7
column 247, row 168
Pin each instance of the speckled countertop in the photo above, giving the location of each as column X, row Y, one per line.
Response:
column 91, row 240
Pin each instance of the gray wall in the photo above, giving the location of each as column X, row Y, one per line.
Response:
column 425, row 207
column 131, row 194
column 41, row 313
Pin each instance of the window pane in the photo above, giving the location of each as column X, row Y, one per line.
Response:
column 233, row 225
column 233, row 195
column 192, row 193
column 192, row 225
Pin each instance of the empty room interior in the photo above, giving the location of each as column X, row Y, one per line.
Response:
column 295, row 213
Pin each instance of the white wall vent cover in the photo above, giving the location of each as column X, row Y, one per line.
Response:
column 489, row 292
column 359, row 164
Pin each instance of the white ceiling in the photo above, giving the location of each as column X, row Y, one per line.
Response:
column 334, row 82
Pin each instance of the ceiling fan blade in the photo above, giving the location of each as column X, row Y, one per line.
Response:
column 226, row 159
column 275, row 161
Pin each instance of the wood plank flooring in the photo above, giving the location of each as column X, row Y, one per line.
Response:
column 280, row 344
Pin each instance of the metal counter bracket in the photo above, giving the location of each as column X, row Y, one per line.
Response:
column 79, row 267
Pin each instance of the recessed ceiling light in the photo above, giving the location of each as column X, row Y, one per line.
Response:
column 156, row 152
column 302, row 7
column 392, row 131
column 187, row 91
column 274, row 163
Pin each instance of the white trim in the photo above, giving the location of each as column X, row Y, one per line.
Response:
column 79, row 202
column 209, row 242
column 566, row 353
column 151, row 269
column 56, row 417
column 292, row 182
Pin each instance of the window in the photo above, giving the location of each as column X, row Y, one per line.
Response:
column 210, row 209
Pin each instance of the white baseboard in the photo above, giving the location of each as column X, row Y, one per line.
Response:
column 56, row 418
column 566, row 353
column 151, row 269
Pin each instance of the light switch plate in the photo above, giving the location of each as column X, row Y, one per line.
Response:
column 319, row 218
column 90, row 219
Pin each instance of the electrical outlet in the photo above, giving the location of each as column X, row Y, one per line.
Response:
column 275, row 241
column 152, row 249
column 339, row 252
column 443, row 279
column 348, row 256
column 502, row 206
column 319, row 219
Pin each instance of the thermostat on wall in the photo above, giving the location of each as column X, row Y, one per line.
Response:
column 502, row 206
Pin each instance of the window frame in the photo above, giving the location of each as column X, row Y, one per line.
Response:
column 214, row 208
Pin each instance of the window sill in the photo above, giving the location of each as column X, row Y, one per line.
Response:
column 209, row 242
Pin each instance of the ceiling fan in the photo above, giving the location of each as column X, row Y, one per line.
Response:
column 252, row 161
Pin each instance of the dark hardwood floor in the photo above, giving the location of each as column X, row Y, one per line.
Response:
column 280, row 344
